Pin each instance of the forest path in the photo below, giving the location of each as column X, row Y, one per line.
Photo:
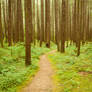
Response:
column 42, row 82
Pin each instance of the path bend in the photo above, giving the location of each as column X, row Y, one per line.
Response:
column 42, row 82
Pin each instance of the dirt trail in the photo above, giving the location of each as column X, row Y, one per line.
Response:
column 42, row 82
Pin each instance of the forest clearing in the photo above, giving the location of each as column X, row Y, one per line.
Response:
column 45, row 46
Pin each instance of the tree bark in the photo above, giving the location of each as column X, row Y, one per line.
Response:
column 28, row 26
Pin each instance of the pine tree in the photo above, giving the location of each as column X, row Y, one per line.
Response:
column 28, row 26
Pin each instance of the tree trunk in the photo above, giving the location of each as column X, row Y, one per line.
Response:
column 1, row 29
column 28, row 26
column 9, row 23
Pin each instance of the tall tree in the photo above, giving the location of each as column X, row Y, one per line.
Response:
column 9, row 22
column 38, row 22
column 1, row 29
column 33, row 17
column 63, row 25
column 47, row 23
column 5, row 20
column 28, row 26
column 20, row 31
column 57, row 35
column 42, row 23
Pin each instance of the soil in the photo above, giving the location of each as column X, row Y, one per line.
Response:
column 42, row 82
column 85, row 73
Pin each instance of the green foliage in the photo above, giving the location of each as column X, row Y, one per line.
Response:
column 13, row 71
column 73, row 74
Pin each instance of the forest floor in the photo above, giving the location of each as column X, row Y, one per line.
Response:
column 72, row 73
column 42, row 82
column 14, row 75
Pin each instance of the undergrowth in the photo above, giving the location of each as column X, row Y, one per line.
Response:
column 13, row 72
column 73, row 74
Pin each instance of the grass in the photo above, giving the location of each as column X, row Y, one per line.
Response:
column 73, row 74
column 13, row 72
